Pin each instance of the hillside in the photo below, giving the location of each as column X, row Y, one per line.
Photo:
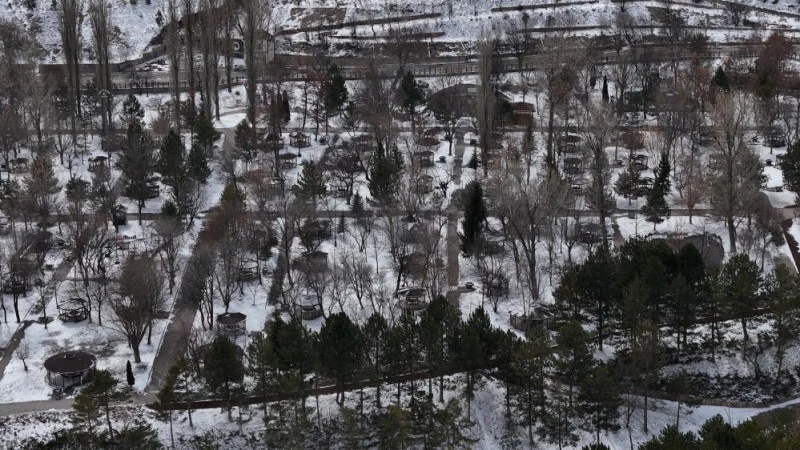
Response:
column 338, row 23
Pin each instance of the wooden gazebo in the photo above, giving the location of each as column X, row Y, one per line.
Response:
column 74, row 309
column 298, row 139
column 68, row 369
column 232, row 324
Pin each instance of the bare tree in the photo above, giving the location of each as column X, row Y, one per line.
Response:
column 486, row 99
column 209, row 49
column 71, row 19
column 23, row 351
column 141, row 298
column 188, row 11
column 253, row 21
column 173, row 45
column 736, row 171
column 598, row 126
column 170, row 231
column 229, row 262
column 199, row 285
column 101, row 30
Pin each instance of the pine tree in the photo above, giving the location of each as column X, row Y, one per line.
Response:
column 311, row 184
column 335, row 91
column 244, row 141
column 222, row 369
column 340, row 347
column 605, row 89
column 530, row 361
column 341, row 226
column 740, row 282
column 129, row 373
column 474, row 217
column 574, row 359
column 357, row 205
column 384, row 177
column 42, row 186
column 171, row 159
column 600, row 401
column 197, row 163
column 98, row 395
column 720, row 79
column 790, row 165
column 132, row 110
column 205, row 134
column 287, row 111
column 412, row 96
column 657, row 209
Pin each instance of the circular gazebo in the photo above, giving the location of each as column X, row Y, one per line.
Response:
column 72, row 368
column 232, row 324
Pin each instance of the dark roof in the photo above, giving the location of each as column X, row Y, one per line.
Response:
column 231, row 318
column 70, row 362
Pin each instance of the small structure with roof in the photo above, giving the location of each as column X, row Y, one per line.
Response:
column 273, row 142
column 74, row 309
column 412, row 298
column 71, row 368
column 709, row 246
column 298, row 139
column 363, row 143
column 232, row 324
column 119, row 215
column 97, row 162
column 539, row 316
column 315, row 261
column 523, row 113
column 308, row 308
column 288, row 160
column 424, row 158
column 573, row 166
column 18, row 165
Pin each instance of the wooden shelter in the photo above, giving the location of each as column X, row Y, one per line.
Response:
column 68, row 369
column 412, row 298
column 97, row 162
column 231, row 324
column 298, row 139
column 74, row 309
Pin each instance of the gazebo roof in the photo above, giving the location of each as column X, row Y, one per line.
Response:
column 428, row 141
column 70, row 362
column 231, row 318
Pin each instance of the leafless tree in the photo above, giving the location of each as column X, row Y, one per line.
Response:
column 173, row 45
column 374, row 104
column 38, row 105
column 736, row 172
column 484, row 112
column 199, row 285
column 599, row 125
column 691, row 180
column 101, row 30
column 70, row 21
column 357, row 273
column 23, row 352
column 142, row 282
column 188, row 11
column 229, row 263
column 253, row 21
column 170, row 231
column 209, row 49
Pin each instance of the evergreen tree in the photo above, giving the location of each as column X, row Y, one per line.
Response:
column 137, row 163
column 605, row 89
column 671, row 438
column 657, row 209
column 600, row 401
column 474, row 217
column 261, row 366
column 132, row 110
column 197, row 163
column 335, row 91
column 42, row 187
column 376, row 333
column 412, row 96
column 286, row 109
column 740, row 282
column 357, row 205
column 340, row 350
column 475, row 346
column 384, row 176
column 205, row 135
column 129, row 373
column 98, row 395
column 341, row 225
column 171, row 159
column 790, row 165
column 530, row 362
column 295, row 355
column 438, row 325
column 311, row 184
column 222, row 369
column 573, row 358
column 720, row 79
column 244, row 140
